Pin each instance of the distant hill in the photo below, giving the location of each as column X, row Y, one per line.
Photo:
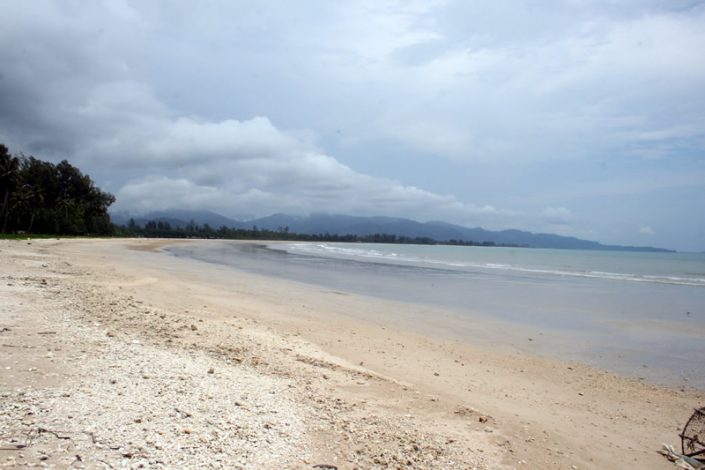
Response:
column 177, row 218
column 355, row 225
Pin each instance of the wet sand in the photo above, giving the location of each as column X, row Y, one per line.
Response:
column 142, row 357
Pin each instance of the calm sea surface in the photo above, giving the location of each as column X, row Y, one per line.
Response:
column 640, row 314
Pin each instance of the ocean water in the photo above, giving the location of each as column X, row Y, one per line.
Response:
column 639, row 314
column 664, row 268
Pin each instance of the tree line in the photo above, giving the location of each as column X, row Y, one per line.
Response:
column 42, row 197
column 164, row 229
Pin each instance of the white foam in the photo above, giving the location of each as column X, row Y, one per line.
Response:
column 379, row 255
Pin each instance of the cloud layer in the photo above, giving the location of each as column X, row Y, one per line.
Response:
column 251, row 164
column 509, row 114
column 98, row 112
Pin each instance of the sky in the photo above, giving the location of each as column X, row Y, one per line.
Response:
column 576, row 117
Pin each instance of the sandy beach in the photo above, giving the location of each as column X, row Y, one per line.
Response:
column 114, row 354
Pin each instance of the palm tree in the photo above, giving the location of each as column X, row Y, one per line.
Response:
column 9, row 174
column 28, row 198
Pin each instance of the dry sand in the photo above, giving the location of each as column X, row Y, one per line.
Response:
column 115, row 355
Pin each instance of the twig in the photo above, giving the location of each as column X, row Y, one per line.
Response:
column 56, row 433
column 184, row 414
column 77, row 459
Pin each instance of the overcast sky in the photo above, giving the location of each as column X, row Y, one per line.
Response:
column 579, row 117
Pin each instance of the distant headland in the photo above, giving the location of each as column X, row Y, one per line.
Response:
column 357, row 228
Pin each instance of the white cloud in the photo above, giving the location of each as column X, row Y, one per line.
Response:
column 251, row 167
column 293, row 107
column 103, row 115
column 159, row 192
column 646, row 230
column 601, row 86
column 186, row 139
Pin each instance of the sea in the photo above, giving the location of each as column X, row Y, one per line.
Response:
column 639, row 314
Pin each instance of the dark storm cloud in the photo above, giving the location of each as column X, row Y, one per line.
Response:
column 236, row 107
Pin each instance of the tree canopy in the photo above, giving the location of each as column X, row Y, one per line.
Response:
column 42, row 197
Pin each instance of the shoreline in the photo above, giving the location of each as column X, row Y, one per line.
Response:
column 354, row 390
column 512, row 316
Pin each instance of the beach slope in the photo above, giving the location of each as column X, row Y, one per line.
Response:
column 113, row 353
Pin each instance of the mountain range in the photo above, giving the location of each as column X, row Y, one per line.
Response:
column 357, row 225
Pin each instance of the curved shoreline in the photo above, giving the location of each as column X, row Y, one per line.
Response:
column 342, row 377
column 601, row 324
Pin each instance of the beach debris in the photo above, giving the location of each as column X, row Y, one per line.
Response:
column 682, row 461
column 693, row 436
column 325, row 466
column 182, row 413
column 464, row 411
column 483, row 419
column 692, row 443
column 211, row 371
